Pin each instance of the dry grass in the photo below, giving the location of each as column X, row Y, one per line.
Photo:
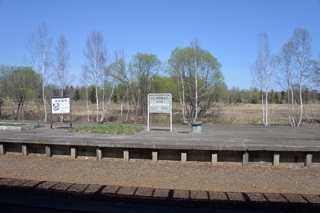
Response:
column 252, row 114
column 233, row 114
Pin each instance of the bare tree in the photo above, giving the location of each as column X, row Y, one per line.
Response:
column 204, row 77
column 262, row 70
column 85, row 82
column 61, row 66
column 195, row 45
column 112, row 71
column 301, row 40
column 287, row 78
column 316, row 68
column 176, row 62
column 95, row 54
column 39, row 46
column 125, row 76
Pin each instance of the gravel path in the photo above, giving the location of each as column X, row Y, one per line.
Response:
column 224, row 177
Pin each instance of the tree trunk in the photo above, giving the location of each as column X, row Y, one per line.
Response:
column 109, row 100
column 87, row 103
column 97, row 100
column 301, row 106
column 44, row 104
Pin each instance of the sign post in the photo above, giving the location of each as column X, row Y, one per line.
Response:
column 160, row 103
column 61, row 105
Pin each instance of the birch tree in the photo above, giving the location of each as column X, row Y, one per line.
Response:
column 262, row 70
column 287, row 78
column 176, row 62
column 39, row 45
column 125, row 77
column 85, row 82
column 206, row 79
column 95, row 55
column 301, row 40
column 112, row 71
column 199, row 76
column 61, row 65
column 195, row 48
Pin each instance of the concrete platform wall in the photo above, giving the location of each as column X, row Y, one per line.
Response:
column 199, row 155
column 169, row 154
column 112, row 152
column 145, row 154
column 296, row 157
column 214, row 156
column 316, row 157
column 229, row 156
column 86, row 151
column 13, row 147
column 37, row 149
column 261, row 156
column 60, row 150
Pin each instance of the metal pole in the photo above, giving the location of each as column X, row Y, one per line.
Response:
column 148, row 114
column 171, row 120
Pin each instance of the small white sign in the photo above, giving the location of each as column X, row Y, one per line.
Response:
column 160, row 103
column 60, row 105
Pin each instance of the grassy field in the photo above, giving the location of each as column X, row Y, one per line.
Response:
column 233, row 114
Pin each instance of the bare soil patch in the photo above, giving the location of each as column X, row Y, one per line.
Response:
column 224, row 177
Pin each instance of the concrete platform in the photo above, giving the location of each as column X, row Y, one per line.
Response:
column 302, row 141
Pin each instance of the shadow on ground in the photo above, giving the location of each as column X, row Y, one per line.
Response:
column 267, row 202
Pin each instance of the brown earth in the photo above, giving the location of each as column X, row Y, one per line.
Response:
column 223, row 177
column 287, row 188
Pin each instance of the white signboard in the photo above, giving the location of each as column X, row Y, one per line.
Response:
column 60, row 105
column 160, row 103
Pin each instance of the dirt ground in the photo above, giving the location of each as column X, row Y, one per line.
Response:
column 223, row 177
column 227, row 186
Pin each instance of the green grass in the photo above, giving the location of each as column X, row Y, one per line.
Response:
column 12, row 124
column 119, row 129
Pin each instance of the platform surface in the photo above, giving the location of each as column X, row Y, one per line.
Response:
column 237, row 138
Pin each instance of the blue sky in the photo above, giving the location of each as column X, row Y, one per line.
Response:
column 228, row 29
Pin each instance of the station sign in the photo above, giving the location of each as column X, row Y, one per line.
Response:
column 159, row 103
